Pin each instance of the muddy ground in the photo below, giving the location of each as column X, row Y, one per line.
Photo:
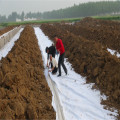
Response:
column 24, row 92
column 91, row 59
column 105, row 32
column 6, row 29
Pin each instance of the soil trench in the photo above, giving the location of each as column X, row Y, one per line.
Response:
column 56, row 99
column 89, row 58
column 51, row 83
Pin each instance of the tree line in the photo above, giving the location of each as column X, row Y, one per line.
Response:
column 81, row 10
column 12, row 17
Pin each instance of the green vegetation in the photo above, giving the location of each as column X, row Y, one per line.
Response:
column 1, row 27
column 58, row 20
column 108, row 17
column 41, row 21
column 85, row 10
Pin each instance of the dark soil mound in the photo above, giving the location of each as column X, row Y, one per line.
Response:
column 91, row 59
column 24, row 93
column 105, row 32
column 6, row 30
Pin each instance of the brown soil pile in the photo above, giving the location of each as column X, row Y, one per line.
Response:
column 105, row 32
column 90, row 59
column 6, row 30
column 24, row 93
column 96, row 22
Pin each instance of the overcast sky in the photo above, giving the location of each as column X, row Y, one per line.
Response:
column 8, row 6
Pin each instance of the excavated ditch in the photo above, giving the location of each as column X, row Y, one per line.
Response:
column 91, row 59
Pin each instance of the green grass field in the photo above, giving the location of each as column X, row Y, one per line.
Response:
column 41, row 21
column 107, row 17
column 57, row 20
column 1, row 27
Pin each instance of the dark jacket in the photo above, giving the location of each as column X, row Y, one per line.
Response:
column 52, row 51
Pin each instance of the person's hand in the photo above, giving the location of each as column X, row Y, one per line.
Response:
column 47, row 65
column 50, row 70
column 58, row 51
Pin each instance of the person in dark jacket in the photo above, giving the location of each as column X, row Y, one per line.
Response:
column 61, row 50
column 50, row 51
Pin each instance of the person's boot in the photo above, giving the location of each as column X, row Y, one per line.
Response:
column 66, row 72
column 59, row 75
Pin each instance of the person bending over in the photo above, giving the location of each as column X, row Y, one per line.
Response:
column 55, row 65
column 61, row 50
column 50, row 51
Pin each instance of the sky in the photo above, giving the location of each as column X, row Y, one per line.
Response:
column 9, row 6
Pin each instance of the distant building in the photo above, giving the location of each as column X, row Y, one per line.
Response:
column 18, row 20
column 29, row 19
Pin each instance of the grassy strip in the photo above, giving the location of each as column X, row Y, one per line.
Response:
column 107, row 17
column 58, row 20
column 1, row 27
column 41, row 21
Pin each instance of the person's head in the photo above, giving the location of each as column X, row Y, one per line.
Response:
column 53, row 44
column 56, row 38
column 50, row 57
column 47, row 50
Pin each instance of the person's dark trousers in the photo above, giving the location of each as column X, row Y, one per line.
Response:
column 55, row 70
column 61, row 62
